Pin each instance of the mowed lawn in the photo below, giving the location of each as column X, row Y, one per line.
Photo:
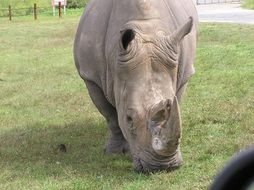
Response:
column 44, row 103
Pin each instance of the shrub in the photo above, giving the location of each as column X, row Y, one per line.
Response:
column 73, row 4
column 248, row 4
column 17, row 4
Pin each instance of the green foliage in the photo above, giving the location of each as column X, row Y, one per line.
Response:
column 249, row 4
column 76, row 3
column 44, row 103
column 24, row 3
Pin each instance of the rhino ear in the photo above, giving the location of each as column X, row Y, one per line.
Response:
column 126, row 37
column 181, row 32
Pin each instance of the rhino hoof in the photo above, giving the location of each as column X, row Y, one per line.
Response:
column 117, row 147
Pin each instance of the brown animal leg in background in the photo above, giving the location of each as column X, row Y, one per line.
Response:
column 116, row 142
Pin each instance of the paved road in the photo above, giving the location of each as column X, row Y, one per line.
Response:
column 231, row 13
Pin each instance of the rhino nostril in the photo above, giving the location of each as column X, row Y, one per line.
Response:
column 129, row 119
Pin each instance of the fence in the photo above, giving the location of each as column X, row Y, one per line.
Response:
column 199, row 2
column 34, row 11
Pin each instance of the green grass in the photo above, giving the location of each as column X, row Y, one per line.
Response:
column 24, row 3
column 44, row 103
column 249, row 4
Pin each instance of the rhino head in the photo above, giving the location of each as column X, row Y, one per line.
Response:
column 145, row 93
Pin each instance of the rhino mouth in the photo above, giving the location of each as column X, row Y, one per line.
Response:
column 151, row 164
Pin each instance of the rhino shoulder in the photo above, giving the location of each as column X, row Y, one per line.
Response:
column 89, row 45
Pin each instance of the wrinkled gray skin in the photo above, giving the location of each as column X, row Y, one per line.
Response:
column 136, row 57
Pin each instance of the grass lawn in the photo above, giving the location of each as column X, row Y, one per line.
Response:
column 248, row 4
column 44, row 103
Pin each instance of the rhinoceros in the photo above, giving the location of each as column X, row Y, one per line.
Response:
column 135, row 57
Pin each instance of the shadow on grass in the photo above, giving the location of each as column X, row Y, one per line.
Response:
column 34, row 150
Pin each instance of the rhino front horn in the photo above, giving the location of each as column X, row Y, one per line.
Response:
column 166, row 135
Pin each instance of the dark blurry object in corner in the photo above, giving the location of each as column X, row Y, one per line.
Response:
column 238, row 173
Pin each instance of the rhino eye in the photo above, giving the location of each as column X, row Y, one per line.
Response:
column 127, row 37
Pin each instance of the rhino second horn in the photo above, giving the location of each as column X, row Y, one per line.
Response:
column 182, row 31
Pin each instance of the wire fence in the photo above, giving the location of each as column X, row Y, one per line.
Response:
column 34, row 11
column 25, row 11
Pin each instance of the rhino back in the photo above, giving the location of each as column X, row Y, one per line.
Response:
column 89, row 45
column 98, row 35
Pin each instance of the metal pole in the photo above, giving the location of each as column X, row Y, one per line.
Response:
column 35, row 11
column 60, row 9
column 10, row 12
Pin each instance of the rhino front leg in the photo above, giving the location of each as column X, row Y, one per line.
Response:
column 116, row 142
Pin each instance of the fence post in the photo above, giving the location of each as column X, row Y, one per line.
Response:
column 60, row 9
column 35, row 11
column 10, row 12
